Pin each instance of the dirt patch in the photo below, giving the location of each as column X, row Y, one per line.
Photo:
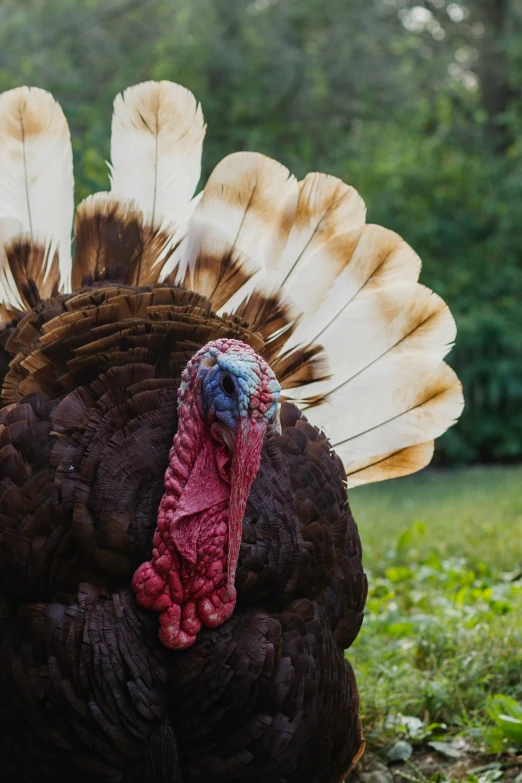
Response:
column 427, row 764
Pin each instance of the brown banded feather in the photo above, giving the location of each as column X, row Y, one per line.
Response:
column 34, row 277
column 113, row 243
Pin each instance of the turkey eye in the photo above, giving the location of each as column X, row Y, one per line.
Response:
column 227, row 384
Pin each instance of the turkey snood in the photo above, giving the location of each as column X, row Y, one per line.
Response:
column 227, row 397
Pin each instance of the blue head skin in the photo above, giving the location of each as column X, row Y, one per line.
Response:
column 235, row 384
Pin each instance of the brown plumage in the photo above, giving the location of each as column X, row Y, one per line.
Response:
column 88, row 413
column 82, row 456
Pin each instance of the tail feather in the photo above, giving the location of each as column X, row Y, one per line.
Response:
column 325, row 211
column 377, row 321
column 114, row 243
column 270, row 315
column 36, row 179
column 34, row 279
column 217, row 273
column 404, row 400
column 365, row 258
column 156, row 144
column 157, row 138
column 387, row 466
column 246, row 209
column 10, row 297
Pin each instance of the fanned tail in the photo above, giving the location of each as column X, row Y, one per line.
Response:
column 36, row 197
column 354, row 339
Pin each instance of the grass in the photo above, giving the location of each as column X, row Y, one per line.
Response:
column 474, row 513
column 443, row 629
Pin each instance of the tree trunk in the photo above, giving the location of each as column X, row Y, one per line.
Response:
column 493, row 69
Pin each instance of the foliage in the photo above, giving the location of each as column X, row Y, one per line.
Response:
column 506, row 713
column 414, row 102
column 442, row 636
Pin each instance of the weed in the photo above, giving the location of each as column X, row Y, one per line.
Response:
column 443, row 630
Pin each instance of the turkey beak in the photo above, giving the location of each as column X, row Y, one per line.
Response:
column 245, row 465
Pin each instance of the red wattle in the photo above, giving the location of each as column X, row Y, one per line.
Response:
column 186, row 578
column 190, row 578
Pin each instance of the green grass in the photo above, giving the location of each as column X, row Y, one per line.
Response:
column 443, row 629
column 474, row 513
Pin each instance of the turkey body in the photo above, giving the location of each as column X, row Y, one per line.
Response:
column 89, row 413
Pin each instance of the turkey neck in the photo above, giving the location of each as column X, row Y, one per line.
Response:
column 186, row 579
column 190, row 578
column 197, row 488
column 187, row 444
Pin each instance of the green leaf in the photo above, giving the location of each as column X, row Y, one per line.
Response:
column 398, row 574
column 506, row 713
column 512, row 728
column 446, row 748
column 400, row 751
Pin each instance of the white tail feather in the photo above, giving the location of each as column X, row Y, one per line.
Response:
column 247, row 207
column 407, row 428
column 311, row 214
column 391, row 465
column 381, row 399
column 368, row 256
column 407, row 316
column 157, row 138
column 9, row 294
column 326, row 209
column 36, row 174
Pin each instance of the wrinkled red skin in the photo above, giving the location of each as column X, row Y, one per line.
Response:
column 190, row 579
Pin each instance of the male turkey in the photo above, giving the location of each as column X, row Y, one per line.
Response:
column 177, row 554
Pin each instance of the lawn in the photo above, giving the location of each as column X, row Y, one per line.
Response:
column 443, row 630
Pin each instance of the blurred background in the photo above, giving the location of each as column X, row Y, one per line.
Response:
column 418, row 106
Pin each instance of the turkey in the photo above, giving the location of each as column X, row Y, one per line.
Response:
column 185, row 398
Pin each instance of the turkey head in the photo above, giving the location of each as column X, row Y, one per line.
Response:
column 227, row 398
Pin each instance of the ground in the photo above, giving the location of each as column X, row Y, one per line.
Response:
column 443, row 632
